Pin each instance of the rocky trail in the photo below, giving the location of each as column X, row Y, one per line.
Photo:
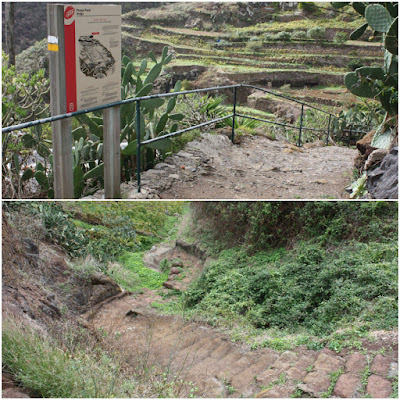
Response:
column 257, row 168
column 218, row 367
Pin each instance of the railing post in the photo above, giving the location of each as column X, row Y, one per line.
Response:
column 301, row 125
column 350, row 130
column 138, row 143
column 112, row 152
column 329, row 129
column 234, row 113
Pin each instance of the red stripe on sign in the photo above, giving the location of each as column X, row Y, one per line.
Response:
column 70, row 66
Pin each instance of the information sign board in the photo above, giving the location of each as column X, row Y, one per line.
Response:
column 92, row 35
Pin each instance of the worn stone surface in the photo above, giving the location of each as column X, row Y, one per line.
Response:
column 267, row 377
column 379, row 387
column 315, row 383
column 285, row 360
column 276, row 392
column 355, row 362
column 328, row 363
column 347, row 386
column 296, row 374
column 175, row 271
column 380, row 365
column 258, row 168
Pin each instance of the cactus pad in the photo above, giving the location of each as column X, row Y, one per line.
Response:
column 391, row 39
column 356, row 34
column 357, row 87
column 378, row 18
column 359, row 7
column 371, row 72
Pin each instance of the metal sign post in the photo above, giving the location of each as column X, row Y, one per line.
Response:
column 61, row 130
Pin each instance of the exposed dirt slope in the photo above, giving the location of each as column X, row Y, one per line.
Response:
column 42, row 291
column 220, row 368
column 258, row 168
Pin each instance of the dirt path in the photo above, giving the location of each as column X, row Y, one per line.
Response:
column 220, row 368
column 258, row 168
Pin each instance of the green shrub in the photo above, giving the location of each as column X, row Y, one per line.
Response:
column 308, row 288
column 61, row 230
column 223, row 43
column 268, row 36
column 41, row 364
column 308, row 7
column 354, row 64
column 283, row 36
column 254, row 46
column 316, row 33
column 341, row 37
column 165, row 265
column 299, row 35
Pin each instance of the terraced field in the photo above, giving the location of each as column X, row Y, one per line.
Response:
column 216, row 37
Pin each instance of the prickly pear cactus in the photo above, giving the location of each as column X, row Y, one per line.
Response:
column 391, row 39
column 378, row 18
column 359, row 87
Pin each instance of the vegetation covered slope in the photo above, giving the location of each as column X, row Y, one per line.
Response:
column 313, row 267
column 278, row 275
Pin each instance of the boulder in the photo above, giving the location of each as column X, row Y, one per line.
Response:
column 379, row 387
column 382, row 182
column 375, row 157
column 175, row 271
column 177, row 264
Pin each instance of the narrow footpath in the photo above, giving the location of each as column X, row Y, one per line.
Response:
column 257, row 168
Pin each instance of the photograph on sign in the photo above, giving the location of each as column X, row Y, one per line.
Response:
column 92, row 55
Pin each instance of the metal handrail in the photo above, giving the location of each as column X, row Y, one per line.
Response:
column 171, row 134
column 154, row 96
column 103, row 107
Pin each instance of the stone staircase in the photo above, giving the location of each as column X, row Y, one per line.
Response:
column 219, row 368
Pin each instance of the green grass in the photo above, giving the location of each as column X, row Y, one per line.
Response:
column 41, row 364
column 134, row 276
column 70, row 363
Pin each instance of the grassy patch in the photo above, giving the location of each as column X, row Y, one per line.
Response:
column 134, row 275
column 71, row 364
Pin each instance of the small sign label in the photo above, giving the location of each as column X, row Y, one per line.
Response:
column 52, row 47
column 52, row 39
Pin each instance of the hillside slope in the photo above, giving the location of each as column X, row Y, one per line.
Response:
column 241, row 299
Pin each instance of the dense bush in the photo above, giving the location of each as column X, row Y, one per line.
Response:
column 254, row 46
column 299, row 35
column 283, row 36
column 341, row 37
column 317, row 33
column 260, row 225
column 314, row 288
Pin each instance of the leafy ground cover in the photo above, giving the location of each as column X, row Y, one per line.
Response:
column 319, row 274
